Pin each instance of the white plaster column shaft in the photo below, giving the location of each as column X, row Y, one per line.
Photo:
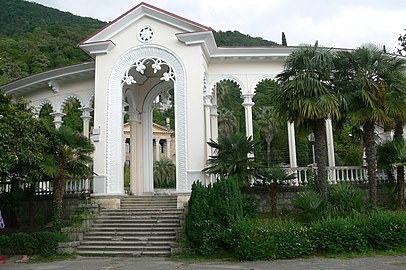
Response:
column 208, row 124
column 292, row 145
column 133, row 154
column 86, row 120
column 248, row 103
column 330, row 149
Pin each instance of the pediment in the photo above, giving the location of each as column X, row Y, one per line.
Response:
column 104, row 35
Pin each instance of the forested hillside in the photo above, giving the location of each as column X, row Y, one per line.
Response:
column 35, row 38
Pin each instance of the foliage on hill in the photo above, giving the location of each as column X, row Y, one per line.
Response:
column 35, row 38
column 235, row 38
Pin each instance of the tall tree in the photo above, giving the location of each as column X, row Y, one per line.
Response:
column 268, row 122
column 69, row 157
column 374, row 86
column 284, row 42
column 307, row 96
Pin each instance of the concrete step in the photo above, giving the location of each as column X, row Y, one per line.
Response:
column 135, row 224
column 170, row 238
column 133, row 243
column 130, row 233
column 129, row 212
column 144, row 226
column 124, row 253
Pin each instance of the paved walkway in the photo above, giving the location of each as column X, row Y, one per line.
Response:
column 126, row 263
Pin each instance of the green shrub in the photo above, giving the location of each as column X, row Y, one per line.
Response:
column 336, row 235
column 250, row 205
column 211, row 211
column 345, row 199
column 42, row 243
column 253, row 240
column 309, row 205
column 387, row 230
column 196, row 221
column 225, row 202
column 4, row 244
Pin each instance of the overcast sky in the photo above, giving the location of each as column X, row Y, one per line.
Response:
column 334, row 23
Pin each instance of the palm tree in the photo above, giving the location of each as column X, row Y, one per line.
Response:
column 307, row 97
column 69, row 157
column 164, row 172
column 374, row 86
column 234, row 157
column 227, row 122
column 268, row 120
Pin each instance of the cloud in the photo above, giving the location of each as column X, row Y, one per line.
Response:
column 344, row 23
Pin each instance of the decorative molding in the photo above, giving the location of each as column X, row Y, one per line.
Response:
column 228, row 78
column 70, row 96
column 261, row 79
column 146, row 34
column 114, row 100
column 100, row 47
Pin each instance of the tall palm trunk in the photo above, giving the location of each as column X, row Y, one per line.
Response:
column 58, row 192
column 319, row 130
column 370, row 152
column 400, row 169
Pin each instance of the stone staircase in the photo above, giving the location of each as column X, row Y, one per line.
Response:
column 144, row 226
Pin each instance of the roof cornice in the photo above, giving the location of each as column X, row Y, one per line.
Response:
column 143, row 9
column 96, row 48
column 25, row 84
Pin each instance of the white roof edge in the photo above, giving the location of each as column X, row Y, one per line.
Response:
column 143, row 9
column 47, row 76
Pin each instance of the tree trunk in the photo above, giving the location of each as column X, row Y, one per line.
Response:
column 268, row 153
column 273, row 190
column 370, row 152
column 400, row 169
column 319, row 130
column 59, row 189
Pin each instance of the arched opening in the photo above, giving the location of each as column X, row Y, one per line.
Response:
column 72, row 117
column 149, row 126
column 45, row 113
column 230, row 112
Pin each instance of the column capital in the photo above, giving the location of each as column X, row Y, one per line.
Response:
column 207, row 100
column 134, row 116
column 248, row 99
column 58, row 118
column 86, row 112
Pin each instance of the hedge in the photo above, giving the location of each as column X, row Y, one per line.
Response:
column 42, row 243
column 252, row 239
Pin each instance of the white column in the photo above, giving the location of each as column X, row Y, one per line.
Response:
column 292, row 145
column 168, row 149
column 248, row 103
column 57, row 118
column 133, row 165
column 86, row 120
column 214, row 123
column 157, row 150
column 208, row 124
column 330, row 149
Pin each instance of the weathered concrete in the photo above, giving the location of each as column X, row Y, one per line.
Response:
column 127, row 263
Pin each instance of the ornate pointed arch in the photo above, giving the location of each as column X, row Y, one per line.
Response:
column 260, row 79
column 66, row 98
column 119, row 76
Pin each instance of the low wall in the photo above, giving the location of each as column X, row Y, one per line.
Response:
column 284, row 196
